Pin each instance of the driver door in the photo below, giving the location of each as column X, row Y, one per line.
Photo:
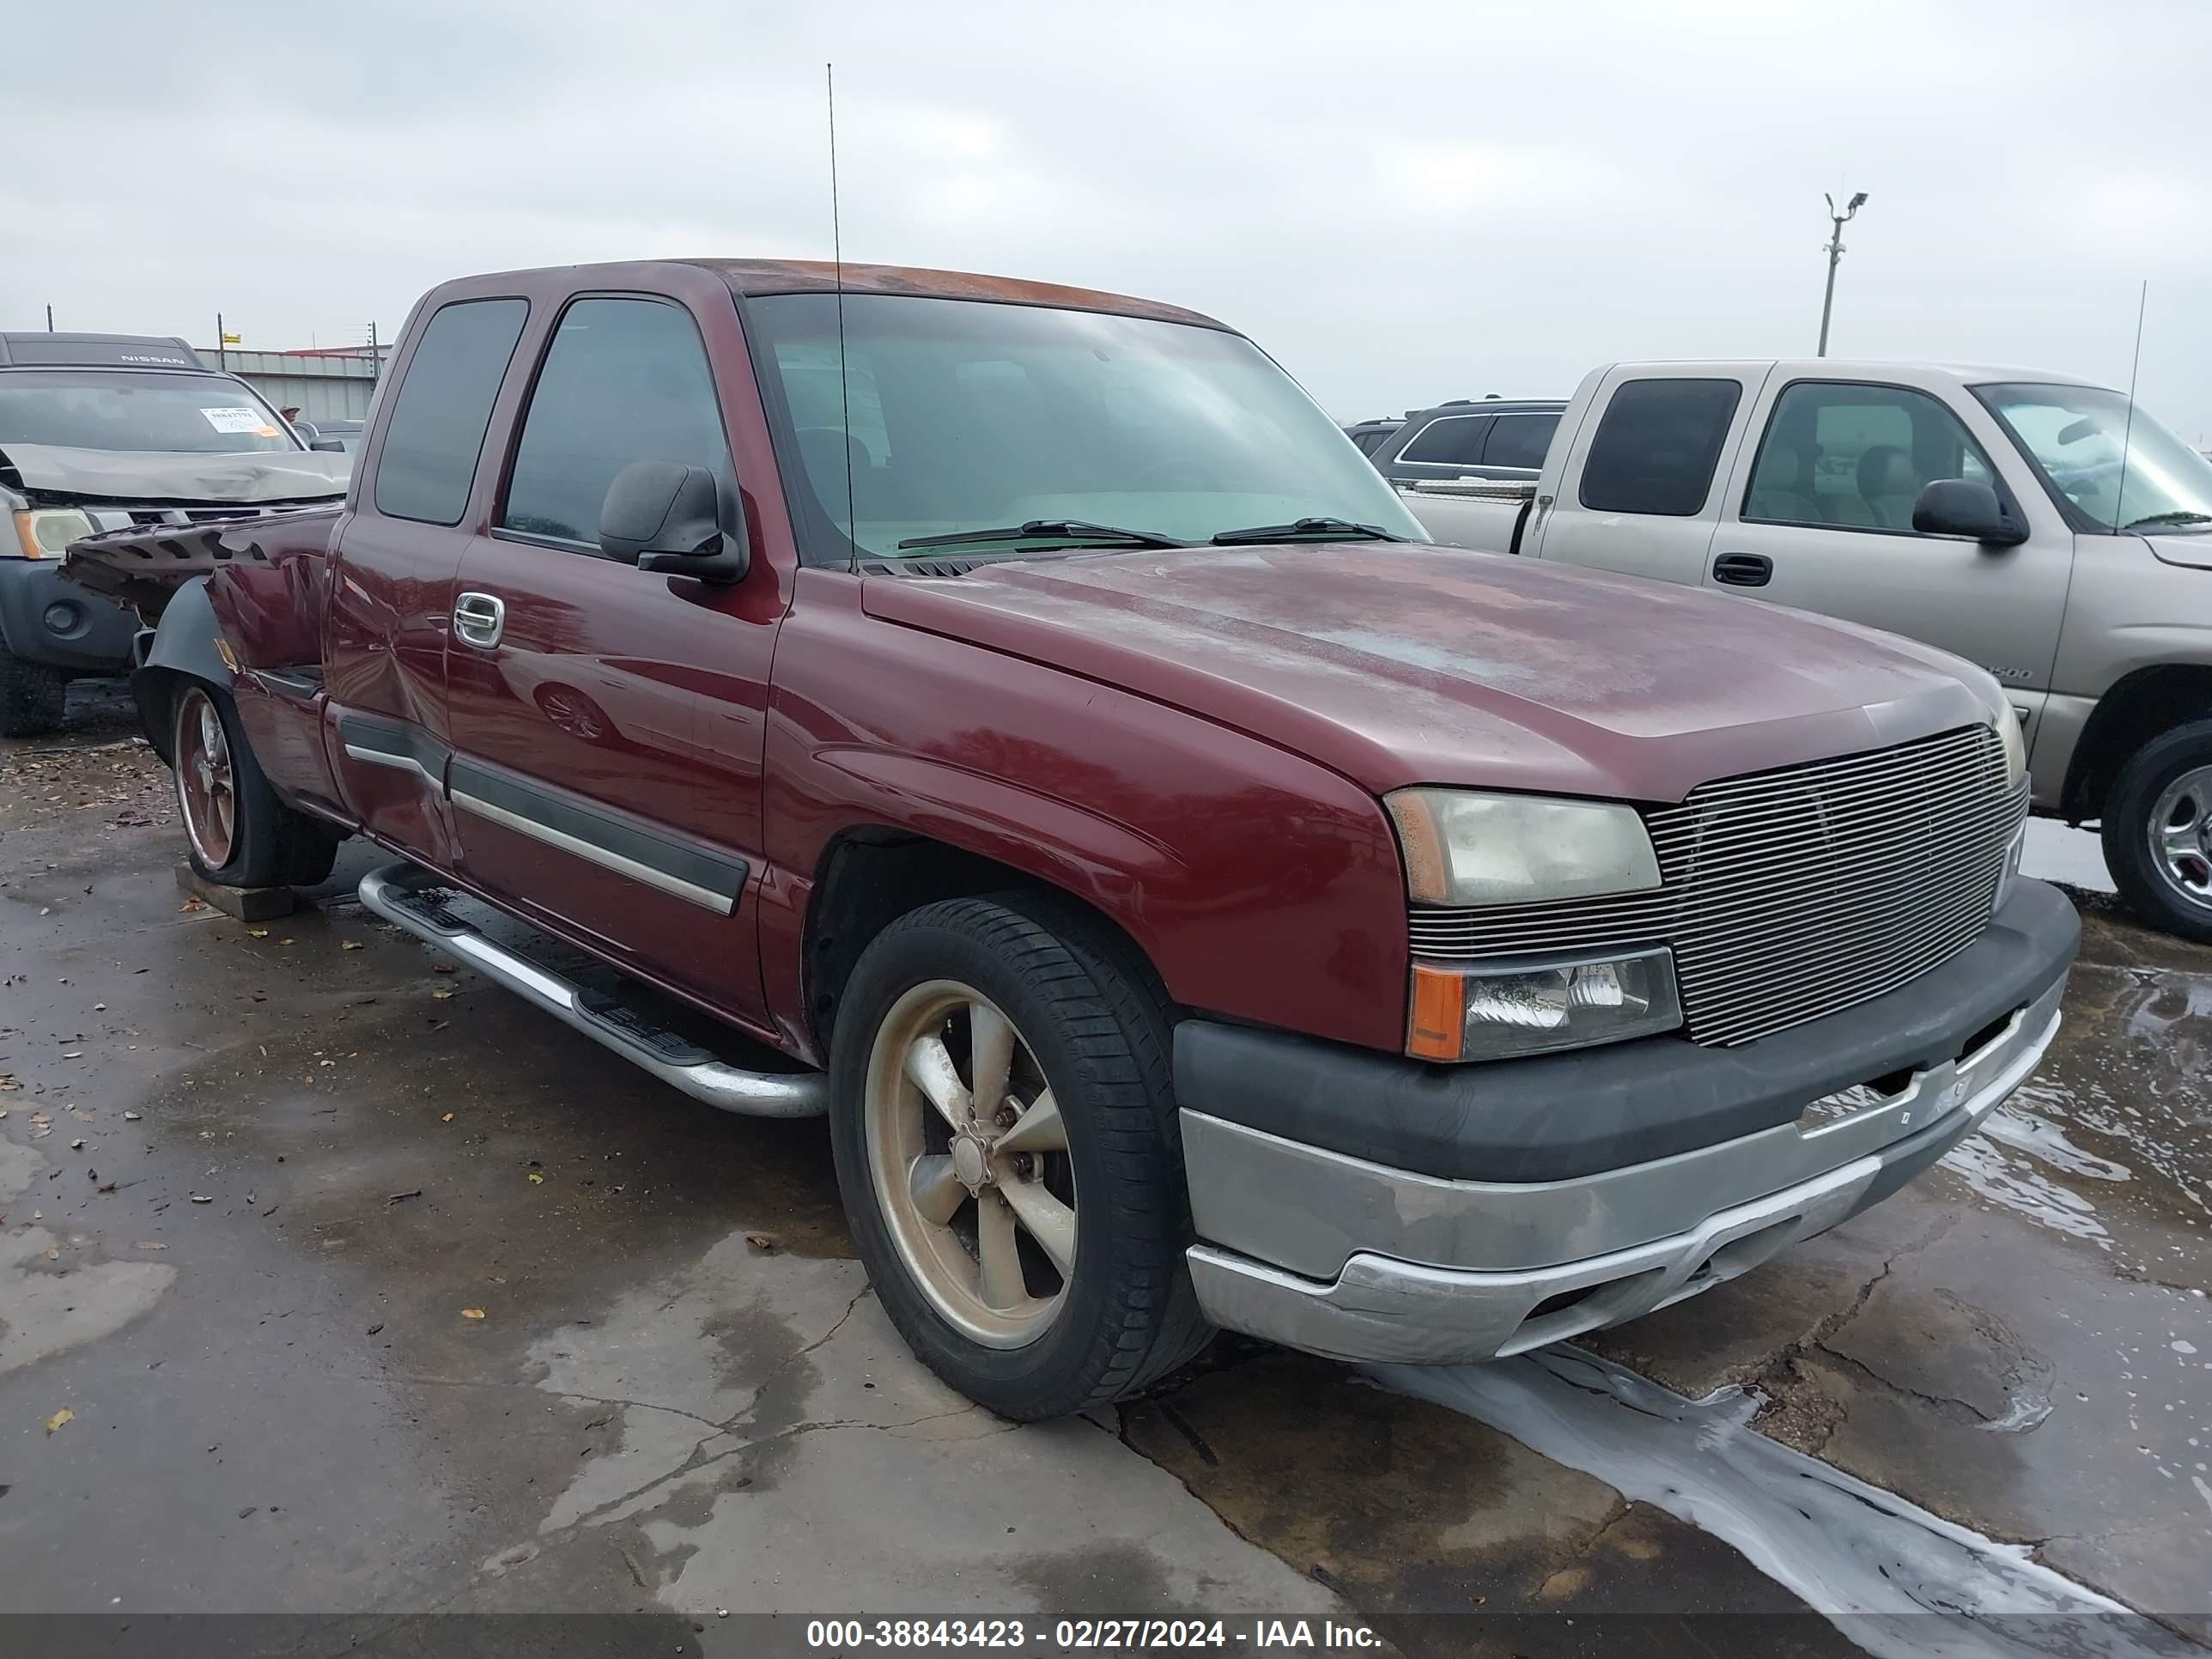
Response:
column 1819, row 515
column 582, row 691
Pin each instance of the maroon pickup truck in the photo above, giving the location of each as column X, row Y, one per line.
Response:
column 1015, row 722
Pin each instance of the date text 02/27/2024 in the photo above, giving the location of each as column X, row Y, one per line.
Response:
column 1073, row 1635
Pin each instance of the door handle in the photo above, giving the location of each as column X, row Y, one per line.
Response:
column 1743, row 570
column 477, row 619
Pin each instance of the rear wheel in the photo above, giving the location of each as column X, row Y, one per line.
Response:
column 236, row 830
column 1006, row 1149
column 32, row 696
column 2158, row 831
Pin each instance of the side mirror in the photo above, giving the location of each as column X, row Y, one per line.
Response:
column 327, row 445
column 1960, row 506
column 667, row 517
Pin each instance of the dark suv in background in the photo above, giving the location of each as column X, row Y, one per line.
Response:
column 1497, row 438
column 103, row 432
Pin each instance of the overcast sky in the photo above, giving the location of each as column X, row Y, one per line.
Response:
column 1403, row 202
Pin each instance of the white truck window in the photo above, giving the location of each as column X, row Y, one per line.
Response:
column 1655, row 449
column 1857, row 456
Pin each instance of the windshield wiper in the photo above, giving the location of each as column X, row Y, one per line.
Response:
column 2168, row 520
column 1334, row 529
column 1057, row 530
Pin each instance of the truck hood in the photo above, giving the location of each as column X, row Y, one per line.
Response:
column 57, row 472
column 1401, row 663
column 2195, row 551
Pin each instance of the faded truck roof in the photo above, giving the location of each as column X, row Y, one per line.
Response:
column 752, row 277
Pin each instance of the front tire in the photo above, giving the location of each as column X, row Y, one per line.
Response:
column 236, row 831
column 1007, row 1150
column 32, row 697
column 2158, row 831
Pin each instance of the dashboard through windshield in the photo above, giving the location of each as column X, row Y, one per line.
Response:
column 956, row 416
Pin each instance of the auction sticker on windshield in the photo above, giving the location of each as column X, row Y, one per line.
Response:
column 240, row 420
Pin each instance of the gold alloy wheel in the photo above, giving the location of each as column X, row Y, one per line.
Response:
column 968, row 1158
column 207, row 792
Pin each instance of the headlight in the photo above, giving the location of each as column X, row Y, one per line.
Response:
column 1462, row 847
column 44, row 533
column 2014, row 739
column 1497, row 1010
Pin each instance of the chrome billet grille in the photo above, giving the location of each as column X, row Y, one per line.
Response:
column 1790, row 894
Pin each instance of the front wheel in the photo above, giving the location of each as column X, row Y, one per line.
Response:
column 1007, row 1148
column 2158, row 831
column 237, row 831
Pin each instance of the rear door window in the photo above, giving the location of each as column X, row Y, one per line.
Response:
column 624, row 380
column 437, row 425
column 1449, row 440
column 1655, row 449
column 1520, row 440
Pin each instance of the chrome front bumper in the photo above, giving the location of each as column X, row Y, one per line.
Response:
column 1338, row 1256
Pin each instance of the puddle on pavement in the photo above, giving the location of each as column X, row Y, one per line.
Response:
column 1880, row 1569
column 2116, row 1125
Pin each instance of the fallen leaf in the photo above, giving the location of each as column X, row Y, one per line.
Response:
column 761, row 1240
column 350, row 945
column 399, row 1198
column 440, row 1024
column 200, row 1198
column 286, row 941
column 536, row 1179
column 472, row 1313
column 372, row 1330
column 442, row 994
column 149, row 1244
column 192, row 906
column 257, row 932
column 132, row 1117
column 54, row 1422
column 448, row 1118
column 444, row 968
column 78, row 1146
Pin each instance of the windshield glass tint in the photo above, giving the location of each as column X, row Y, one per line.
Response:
column 181, row 414
column 966, row 416
column 2117, row 475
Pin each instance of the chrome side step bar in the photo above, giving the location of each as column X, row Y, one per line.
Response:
column 412, row 898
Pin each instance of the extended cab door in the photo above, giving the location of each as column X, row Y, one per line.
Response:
column 390, row 598
column 1635, row 487
column 608, row 722
column 1819, row 515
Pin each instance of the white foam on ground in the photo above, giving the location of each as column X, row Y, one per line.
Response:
column 1873, row 1564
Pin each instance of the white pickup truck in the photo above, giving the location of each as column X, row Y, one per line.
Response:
column 2038, row 525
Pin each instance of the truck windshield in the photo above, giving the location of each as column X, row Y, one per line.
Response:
column 2115, row 472
column 103, row 409
column 959, row 416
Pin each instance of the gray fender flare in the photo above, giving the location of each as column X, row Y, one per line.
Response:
column 182, row 647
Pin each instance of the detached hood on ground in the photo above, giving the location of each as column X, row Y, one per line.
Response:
column 160, row 475
column 1399, row 663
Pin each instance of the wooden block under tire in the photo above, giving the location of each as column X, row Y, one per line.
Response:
column 246, row 903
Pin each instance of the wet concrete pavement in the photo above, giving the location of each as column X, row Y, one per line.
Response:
column 309, row 1161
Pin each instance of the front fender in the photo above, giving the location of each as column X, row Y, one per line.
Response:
column 188, row 644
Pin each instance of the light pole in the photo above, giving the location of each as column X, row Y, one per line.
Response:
column 1835, row 254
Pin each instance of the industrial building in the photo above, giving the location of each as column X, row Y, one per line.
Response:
column 330, row 384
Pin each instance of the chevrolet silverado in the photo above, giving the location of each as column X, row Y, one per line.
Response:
column 1013, row 721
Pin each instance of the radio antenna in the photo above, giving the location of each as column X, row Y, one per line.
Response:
column 837, row 267
column 2127, row 432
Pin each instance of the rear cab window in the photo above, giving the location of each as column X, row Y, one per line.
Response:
column 1657, row 445
column 436, row 431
